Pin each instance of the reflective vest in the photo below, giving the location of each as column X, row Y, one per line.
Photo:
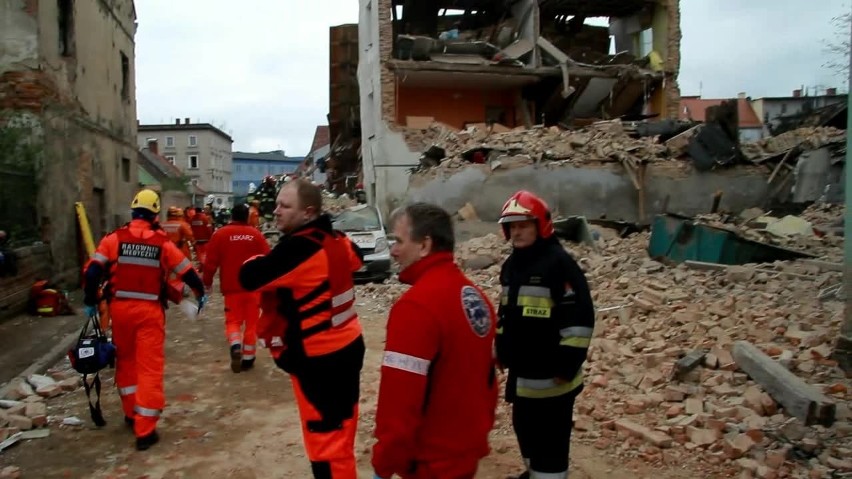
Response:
column 331, row 324
column 138, row 272
column 172, row 229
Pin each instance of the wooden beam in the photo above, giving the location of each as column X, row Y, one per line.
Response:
column 798, row 398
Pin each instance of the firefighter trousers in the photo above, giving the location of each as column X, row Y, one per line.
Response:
column 327, row 390
column 138, row 332
column 543, row 428
column 241, row 313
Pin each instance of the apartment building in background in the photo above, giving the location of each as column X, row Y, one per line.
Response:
column 200, row 150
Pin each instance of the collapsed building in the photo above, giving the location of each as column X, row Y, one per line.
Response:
column 512, row 64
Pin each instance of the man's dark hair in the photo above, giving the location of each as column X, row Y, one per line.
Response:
column 240, row 212
column 309, row 194
column 428, row 220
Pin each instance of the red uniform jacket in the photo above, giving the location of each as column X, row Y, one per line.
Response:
column 230, row 246
column 201, row 226
column 438, row 391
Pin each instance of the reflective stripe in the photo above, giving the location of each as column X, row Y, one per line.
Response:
column 341, row 318
column 127, row 390
column 504, row 296
column 576, row 342
column 181, row 266
column 99, row 258
column 343, row 298
column 144, row 411
column 539, row 291
column 140, row 261
column 545, row 388
column 577, row 331
column 548, row 475
column 248, row 356
column 406, row 362
column 234, row 342
column 136, row 295
column 248, row 347
column 500, row 330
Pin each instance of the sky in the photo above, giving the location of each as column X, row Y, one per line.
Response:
column 260, row 73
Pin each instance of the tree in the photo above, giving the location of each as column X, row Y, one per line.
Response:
column 838, row 47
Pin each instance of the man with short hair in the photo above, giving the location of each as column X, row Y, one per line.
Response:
column 310, row 325
column 229, row 247
column 438, row 390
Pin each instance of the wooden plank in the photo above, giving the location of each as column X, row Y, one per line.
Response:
column 778, row 166
column 704, row 266
column 823, row 265
column 798, row 398
column 687, row 363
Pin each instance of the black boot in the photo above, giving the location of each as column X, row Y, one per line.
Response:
column 236, row 358
column 129, row 421
column 247, row 364
column 145, row 442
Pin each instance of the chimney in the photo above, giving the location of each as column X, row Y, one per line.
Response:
column 741, row 95
column 177, row 121
column 831, row 91
column 152, row 145
column 186, row 121
column 797, row 93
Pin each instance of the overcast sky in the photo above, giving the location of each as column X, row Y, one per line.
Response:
column 261, row 72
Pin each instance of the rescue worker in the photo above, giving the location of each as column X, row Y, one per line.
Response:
column 254, row 214
column 438, row 390
column 202, row 230
column 546, row 320
column 310, row 325
column 229, row 247
column 179, row 231
column 138, row 259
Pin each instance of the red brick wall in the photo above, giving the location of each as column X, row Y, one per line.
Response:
column 25, row 90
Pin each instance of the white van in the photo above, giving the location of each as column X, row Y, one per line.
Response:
column 364, row 226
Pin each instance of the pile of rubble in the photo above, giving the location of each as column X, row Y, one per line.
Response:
column 604, row 141
column 335, row 204
column 809, row 138
column 714, row 418
column 24, row 410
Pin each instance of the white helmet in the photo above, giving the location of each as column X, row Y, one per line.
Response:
column 209, row 200
column 252, row 188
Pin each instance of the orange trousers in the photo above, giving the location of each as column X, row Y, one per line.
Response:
column 200, row 254
column 335, row 448
column 139, row 332
column 241, row 313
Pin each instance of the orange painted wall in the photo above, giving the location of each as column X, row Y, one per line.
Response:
column 455, row 107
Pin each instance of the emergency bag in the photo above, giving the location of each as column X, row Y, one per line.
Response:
column 93, row 352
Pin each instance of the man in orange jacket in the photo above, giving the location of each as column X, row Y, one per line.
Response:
column 139, row 259
column 230, row 246
column 438, row 391
column 202, row 230
column 179, row 231
column 310, row 325
column 254, row 214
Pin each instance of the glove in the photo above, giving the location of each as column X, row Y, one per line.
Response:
column 90, row 310
column 201, row 302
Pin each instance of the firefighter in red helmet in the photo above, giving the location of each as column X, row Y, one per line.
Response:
column 545, row 323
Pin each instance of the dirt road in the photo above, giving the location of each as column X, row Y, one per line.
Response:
column 218, row 424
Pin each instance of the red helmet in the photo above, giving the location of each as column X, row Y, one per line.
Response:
column 524, row 206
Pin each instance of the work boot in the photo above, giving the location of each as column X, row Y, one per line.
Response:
column 236, row 358
column 145, row 442
column 247, row 364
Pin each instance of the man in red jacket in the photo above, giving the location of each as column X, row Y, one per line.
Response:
column 229, row 247
column 438, row 391
column 202, row 229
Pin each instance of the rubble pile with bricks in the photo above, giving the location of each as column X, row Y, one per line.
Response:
column 663, row 384
column 807, row 138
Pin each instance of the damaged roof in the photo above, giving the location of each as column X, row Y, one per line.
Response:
column 695, row 108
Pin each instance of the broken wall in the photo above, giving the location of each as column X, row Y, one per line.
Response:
column 79, row 94
column 594, row 192
column 456, row 106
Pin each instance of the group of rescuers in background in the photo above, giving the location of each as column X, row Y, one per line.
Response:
column 445, row 341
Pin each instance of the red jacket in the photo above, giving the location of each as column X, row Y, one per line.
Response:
column 438, row 391
column 229, row 247
column 201, row 226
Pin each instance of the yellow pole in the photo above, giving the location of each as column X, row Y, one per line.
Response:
column 85, row 230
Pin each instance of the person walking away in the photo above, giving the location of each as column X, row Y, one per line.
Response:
column 254, row 214
column 546, row 321
column 202, row 230
column 179, row 231
column 310, row 325
column 138, row 259
column 229, row 247
column 438, row 390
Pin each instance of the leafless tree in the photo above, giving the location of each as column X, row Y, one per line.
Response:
column 838, row 47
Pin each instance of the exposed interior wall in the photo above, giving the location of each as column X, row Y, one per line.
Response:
column 454, row 106
column 593, row 192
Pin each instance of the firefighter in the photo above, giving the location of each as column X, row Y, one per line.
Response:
column 179, row 231
column 229, row 247
column 138, row 259
column 546, row 320
column 202, row 230
column 438, row 390
column 310, row 325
